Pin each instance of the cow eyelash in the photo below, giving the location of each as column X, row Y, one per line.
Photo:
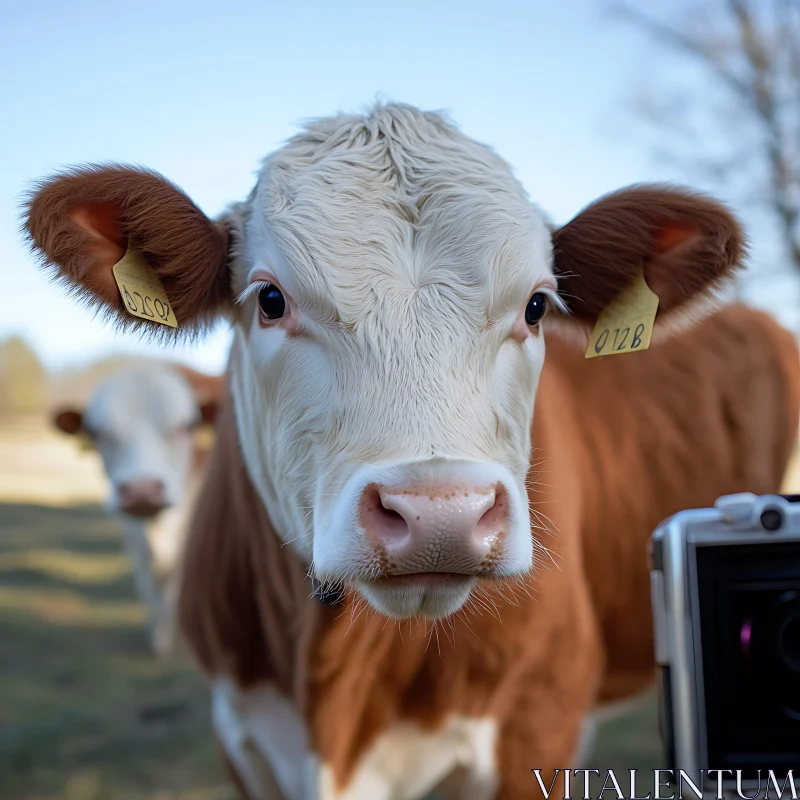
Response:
column 253, row 289
column 554, row 298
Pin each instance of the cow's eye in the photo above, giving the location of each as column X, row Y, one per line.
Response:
column 537, row 306
column 271, row 301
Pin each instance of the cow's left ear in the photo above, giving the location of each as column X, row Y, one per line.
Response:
column 686, row 244
column 81, row 222
column 68, row 420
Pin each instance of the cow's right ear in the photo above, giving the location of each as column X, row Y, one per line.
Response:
column 80, row 222
column 68, row 420
column 208, row 411
column 208, row 390
column 685, row 245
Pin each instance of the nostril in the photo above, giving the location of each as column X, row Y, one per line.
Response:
column 391, row 520
column 494, row 521
column 389, row 514
column 382, row 523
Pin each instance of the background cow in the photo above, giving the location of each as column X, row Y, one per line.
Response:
column 143, row 420
column 388, row 280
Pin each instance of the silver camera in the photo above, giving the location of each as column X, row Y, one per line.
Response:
column 725, row 588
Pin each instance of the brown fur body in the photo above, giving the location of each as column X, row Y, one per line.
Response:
column 620, row 444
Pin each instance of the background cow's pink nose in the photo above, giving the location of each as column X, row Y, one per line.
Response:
column 142, row 498
column 436, row 528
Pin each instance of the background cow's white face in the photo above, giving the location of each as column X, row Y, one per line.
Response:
column 385, row 364
column 393, row 396
column 142, row 423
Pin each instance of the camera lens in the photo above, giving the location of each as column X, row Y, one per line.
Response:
column 749, row 601
column 789, row 638
column 771, row 519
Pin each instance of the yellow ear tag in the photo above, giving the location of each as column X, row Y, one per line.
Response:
column 204, row 438
column 626, row 324
column 141, row 290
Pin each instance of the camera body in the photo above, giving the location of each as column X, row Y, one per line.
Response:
column 725, row 589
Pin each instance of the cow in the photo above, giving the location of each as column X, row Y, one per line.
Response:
column 419, row 557
column 143, row 420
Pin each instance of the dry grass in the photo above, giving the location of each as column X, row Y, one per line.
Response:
column 40, row 465
column 69, row 566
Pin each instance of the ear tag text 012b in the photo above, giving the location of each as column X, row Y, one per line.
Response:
column 626, row 324
column 141, row 290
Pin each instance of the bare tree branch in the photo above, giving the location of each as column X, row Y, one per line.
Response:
column 756, row 60
column 678, row 40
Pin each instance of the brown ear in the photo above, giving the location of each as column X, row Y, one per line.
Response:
column 687, row 245
column 208, row 390
column 80, row 221
column 68, row 420
column 208, row 411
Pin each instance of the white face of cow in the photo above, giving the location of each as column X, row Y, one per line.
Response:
column 387, row 278
column 385, row 371
column 142, row 422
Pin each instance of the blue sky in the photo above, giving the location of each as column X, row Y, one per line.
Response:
column 202, row 91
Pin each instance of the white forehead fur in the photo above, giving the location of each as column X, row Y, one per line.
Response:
column 394, row 210
column 155, row 395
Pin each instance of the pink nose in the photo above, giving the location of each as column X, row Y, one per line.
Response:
column 142, row 498
column 436, row 528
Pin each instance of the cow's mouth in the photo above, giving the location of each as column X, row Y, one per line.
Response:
column 144, row 511
column 422, row 579
column 419, row 594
